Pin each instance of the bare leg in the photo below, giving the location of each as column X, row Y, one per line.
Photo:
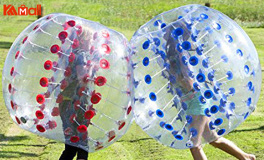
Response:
column 224, row 144
column 198, row 153
column 230, row 148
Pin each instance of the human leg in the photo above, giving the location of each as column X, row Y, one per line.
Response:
column 82, row 154
column 197, row 151
column 230, row 148
column 69, row 153
column 225, row 144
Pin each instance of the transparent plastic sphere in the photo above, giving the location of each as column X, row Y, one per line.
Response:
column 70, row 79
column 197, row 76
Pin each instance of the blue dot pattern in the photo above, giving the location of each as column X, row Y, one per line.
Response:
column 188, row 62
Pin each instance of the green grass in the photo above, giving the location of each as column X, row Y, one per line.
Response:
column 125, row 17
column 129, row 14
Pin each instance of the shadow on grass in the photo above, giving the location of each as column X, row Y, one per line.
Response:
column 249, row 130
column 5, row 45
column 12, row 138
column 135, row 140
column 15, row 154
column 20, row 144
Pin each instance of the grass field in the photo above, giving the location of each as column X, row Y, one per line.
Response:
column 125, row 17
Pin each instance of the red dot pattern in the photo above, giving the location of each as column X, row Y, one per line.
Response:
column 55, row 48
column 72, row 117
column 111, row 136
column 74, row 139
column 40, row 99
column 100, row 81
column 95, row 98
column 79, row 29
column 49, row 17
column 59, row 99
column 75, row 44
column 63, row 35
column 99, row 147
column 12, row 71
column 47, row 94
column 121, row 125
column 64, row 84
column 48, row 65
column 104, row 64
column 10, row 88
column 77, row 105
column 55, row 112
column 89, row 114
column 106, row 48
column 82, row 128
column 129, row 109
column 24, row 40
column 44, row 82
column 37, row 26
column 40, row 128
column 71, row 57
column 39, row 114
column 105, row 34
column 71, row 23
column 52, row 124
column 81, row 90
column 68, row 72
column 12, row 104
column 17, row 54
column 86, row 78
column 17, row 120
